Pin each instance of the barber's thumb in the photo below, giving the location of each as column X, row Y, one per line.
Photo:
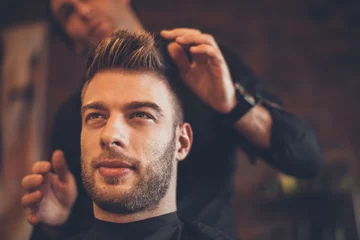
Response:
column 60, row 166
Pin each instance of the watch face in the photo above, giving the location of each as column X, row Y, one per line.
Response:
column 241, row 93
column 240, row 89
column 250, row 99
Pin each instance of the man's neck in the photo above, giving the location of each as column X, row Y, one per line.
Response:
column 131, row 22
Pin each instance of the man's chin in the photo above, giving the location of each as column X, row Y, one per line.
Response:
column 111, row 192
column 101, row 35
column 113, row 184
column 112, row 180
column 123, row 201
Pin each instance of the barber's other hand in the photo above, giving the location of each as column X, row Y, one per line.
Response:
column 49, row 196
column 207, row 75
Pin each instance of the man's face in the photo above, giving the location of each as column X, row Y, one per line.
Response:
column 87, row 22
column 128, row 140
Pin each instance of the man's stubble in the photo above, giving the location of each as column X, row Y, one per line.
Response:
column 146, row 192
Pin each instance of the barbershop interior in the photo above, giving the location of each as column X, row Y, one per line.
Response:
column 294, row 173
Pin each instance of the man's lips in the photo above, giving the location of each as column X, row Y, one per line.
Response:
column 97, row 30
column 114, row 163
column 114, row 168
column 96, row 24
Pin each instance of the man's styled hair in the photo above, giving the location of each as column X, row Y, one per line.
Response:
column 138, row 53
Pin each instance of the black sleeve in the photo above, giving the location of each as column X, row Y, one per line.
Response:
column 66, row 133
column 66, row 136
column 294, row 147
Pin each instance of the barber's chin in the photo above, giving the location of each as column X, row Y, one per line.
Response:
column 102, row 33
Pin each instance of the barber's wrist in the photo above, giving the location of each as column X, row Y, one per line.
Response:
column 244, row 103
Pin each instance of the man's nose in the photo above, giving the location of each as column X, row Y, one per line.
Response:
column 115, row 134
column 84, row 10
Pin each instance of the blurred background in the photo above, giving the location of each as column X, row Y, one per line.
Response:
column 306, row 52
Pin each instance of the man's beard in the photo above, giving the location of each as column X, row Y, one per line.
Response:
column 147, row 191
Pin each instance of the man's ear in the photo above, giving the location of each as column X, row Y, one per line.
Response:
column 185, row 140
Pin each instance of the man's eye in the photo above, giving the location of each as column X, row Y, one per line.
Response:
column 67, row 11
column 93, row 116
column 142, row 115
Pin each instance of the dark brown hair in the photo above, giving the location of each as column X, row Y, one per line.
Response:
column 139, row 53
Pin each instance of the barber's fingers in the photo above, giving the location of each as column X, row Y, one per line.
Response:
column 206, row 50
column 178, row 54
column 31, row 200
column 32, row 215
column 60, row 166
column 32, row 182
column 197, row 39
column 32, row 218
column 200, row 54
column 177, row 32
column 41, row 167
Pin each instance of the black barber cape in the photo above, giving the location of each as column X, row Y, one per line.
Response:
column 165, row 227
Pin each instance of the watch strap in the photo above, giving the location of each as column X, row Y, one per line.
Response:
column 245, row 102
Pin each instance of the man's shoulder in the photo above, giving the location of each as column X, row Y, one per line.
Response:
column 197, row 230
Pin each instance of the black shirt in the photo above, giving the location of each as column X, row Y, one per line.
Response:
column 165, row 227
column 205, row 178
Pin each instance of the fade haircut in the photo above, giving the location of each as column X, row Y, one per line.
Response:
column 138, row 53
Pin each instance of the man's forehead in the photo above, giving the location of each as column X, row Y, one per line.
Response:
column 127, row 85
column 130, row 77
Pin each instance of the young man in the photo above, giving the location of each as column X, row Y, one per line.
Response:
column 133, row 136
column 223, row 117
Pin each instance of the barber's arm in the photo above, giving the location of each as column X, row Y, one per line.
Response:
column 66, row 127
column 284, row 141
column 294, row 148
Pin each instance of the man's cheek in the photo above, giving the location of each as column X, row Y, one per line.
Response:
column 87, row 143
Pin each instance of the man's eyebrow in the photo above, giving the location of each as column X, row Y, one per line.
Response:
column 94, row 105
column 140, row 104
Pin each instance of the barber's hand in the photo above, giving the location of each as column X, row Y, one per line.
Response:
column 49, row 196
column 207, row 75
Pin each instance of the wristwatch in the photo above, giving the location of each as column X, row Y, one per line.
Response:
column 245, row 102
